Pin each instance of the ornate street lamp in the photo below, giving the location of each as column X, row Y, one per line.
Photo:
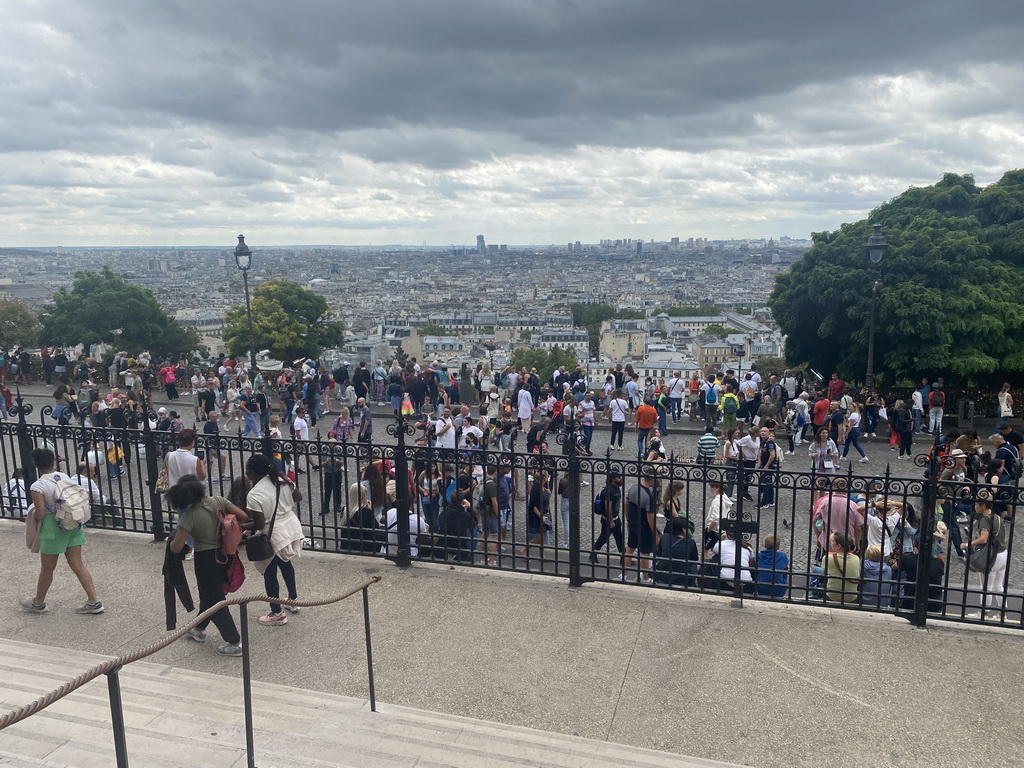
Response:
column 876, row 248
column 243, row 258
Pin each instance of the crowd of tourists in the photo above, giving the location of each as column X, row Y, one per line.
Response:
column 866, row 544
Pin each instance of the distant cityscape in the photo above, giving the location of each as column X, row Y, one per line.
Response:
column 488, row 300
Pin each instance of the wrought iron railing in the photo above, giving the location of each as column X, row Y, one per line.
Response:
column 920, row 574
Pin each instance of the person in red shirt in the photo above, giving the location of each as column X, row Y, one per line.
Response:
column 836, row 387
column 646, row 418
column 819, row 413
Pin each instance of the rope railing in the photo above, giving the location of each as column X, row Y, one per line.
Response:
column 117, row 662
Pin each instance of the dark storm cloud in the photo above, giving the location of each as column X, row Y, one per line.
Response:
column 387, row 114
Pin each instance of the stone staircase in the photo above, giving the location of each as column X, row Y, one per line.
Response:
column 176, row 717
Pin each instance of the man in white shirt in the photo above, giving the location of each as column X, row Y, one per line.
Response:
column 617, row 410
column 750, row 453
column 676, row 391
column 524, row 403
column 417, row 525
column 444, row 430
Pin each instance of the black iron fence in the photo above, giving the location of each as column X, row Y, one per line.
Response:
column 877, row 543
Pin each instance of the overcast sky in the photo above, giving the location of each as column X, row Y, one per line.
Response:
column 530, row 121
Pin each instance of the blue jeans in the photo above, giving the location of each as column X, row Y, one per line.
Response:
column 853, row 438
column 871, row 421
column 588, row 432
column 767, row 490
column 641, row 439
column 662, row 420
column 676, row 404
column 252, row 427
column 916, row 413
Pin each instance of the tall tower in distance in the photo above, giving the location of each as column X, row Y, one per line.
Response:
column 481, row 246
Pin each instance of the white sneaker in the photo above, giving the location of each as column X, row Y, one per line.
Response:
column 789, row 453
column 863, row 460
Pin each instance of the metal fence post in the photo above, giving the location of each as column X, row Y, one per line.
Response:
column 924, row 550
column 575, row 577
column 25, row 444
column 399, row 429
column 737, row 530
column 156, row 500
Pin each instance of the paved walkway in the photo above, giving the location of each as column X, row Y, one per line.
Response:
column 765, row 685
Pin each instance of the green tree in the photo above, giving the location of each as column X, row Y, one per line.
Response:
column 432, row 329
column 19, row 325
column 544, row 361
column 590, row 316
column 526, row 334
column 101, row 307
column 951, row 288
column 401, row 356
column 288, row 320
column 720, row 331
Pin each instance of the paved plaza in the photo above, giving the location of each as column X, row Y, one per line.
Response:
column 763, row 685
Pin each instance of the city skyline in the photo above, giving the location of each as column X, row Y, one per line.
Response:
column 530, row 122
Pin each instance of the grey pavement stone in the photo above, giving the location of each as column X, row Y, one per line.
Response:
column 763, row 685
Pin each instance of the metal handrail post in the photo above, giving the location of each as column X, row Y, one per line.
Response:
column 250, row 749
column 117, row 718
column 369, row 650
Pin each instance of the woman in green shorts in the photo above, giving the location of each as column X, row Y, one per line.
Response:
column 54, row 541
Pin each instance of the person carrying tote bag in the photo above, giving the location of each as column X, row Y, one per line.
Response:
column 271, row 496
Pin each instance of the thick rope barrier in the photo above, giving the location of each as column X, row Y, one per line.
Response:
column 117, row 662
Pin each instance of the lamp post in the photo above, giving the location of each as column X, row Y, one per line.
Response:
column 876, row 248
column 243, row 258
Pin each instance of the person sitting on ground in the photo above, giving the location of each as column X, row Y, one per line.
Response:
column 678, row 559
column 876, row 582
column 772, row 569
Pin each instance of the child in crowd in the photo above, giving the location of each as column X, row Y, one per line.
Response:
column 343, row 426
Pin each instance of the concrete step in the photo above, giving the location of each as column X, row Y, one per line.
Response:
column 176, row 717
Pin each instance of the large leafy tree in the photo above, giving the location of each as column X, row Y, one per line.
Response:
column 288, row 320
column 101, row 307
column 19, row 325
column 951, row 291
column 545, row 361
column 592, row 315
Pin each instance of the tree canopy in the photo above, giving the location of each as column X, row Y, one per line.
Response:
column 432, row 329
column 951, row 296
column 544, row 361
column 288, row 320
column 720, row 331
column 101, row 307
column 591, row 316
column 19, row 325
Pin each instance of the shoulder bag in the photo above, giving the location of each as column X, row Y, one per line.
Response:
column 981, row 557
column 257, row 545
